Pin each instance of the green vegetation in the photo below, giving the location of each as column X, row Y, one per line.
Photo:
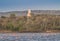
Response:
column 36, row 23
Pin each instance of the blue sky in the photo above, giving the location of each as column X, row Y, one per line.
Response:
column 18, row 5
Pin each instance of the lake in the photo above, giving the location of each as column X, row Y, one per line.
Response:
column 29, row 36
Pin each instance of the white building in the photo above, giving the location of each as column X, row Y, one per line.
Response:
column 29, row 13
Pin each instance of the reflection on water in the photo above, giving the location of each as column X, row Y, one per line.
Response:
column 29, row 36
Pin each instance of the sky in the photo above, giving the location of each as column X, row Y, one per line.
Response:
column 20, row 5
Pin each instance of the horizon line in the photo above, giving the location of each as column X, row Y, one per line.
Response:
column 27, row 10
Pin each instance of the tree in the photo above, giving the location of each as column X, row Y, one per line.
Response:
column 3, row 17
column 12, row 16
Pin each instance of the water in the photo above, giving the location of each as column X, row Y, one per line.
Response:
column 29, row 36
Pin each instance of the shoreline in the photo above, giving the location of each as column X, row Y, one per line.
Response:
column 29, row 32
column 48, row 31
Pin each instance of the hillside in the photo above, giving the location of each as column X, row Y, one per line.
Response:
column 36, row 23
